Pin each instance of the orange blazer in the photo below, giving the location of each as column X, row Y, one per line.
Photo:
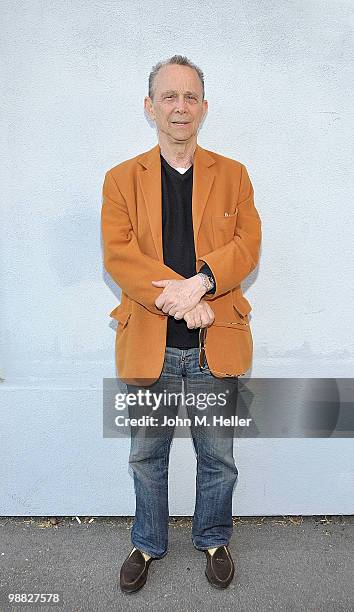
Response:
column 227, row 236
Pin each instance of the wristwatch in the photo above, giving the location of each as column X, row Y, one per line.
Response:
column 207, row 280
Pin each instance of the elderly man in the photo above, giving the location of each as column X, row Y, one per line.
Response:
column 180, row 234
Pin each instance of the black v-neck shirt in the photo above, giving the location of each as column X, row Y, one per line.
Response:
column 178, row 242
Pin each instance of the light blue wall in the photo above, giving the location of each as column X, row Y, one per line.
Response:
column 279, row 84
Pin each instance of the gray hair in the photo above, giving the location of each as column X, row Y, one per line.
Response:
column 181, row 60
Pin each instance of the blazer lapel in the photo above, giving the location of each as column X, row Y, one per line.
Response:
column 203, row 178
column 150, row 184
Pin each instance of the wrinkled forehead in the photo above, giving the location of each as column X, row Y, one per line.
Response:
column 177, row 78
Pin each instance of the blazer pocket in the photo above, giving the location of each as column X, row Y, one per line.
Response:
column 240, row 320
column 241, row 304
column 121, row 315
column 223, row 229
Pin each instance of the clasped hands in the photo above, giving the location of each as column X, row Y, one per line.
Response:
column 182, row 299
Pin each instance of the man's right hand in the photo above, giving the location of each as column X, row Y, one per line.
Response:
column 200, row 316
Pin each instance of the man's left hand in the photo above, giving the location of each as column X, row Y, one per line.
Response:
column 179, row 296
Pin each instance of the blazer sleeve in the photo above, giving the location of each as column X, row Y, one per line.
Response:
column 234, row 261
column 131, row 269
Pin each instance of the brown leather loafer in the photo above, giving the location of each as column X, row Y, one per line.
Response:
column 134, row 571
column 220, row 567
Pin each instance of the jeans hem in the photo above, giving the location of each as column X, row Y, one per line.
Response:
column 149, row 552
column 216, row 545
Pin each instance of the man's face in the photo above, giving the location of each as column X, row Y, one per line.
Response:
column 177, row 106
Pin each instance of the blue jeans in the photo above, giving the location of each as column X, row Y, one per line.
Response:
column 149, row 458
